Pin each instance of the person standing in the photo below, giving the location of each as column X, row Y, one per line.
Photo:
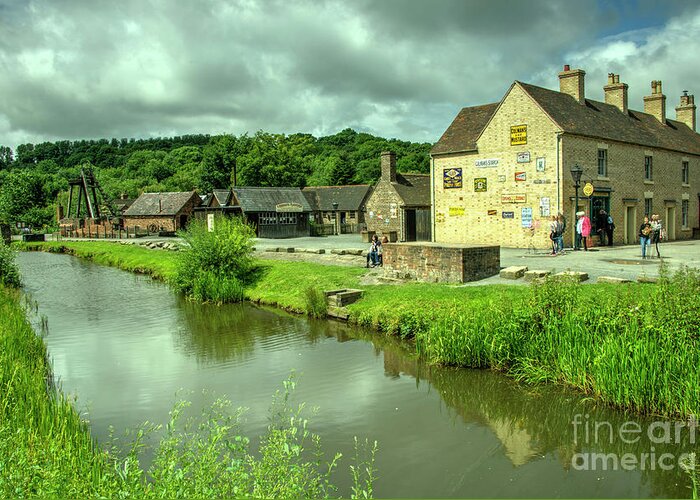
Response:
column 579, row 223
column 645, row 236
column 585, row 230
column 601, row 223
column 554, row 234
column 656, row 228
column 610, row 229
column 562, row 229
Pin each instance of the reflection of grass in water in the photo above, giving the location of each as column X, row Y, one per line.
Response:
column 537, row 420
column 47, row 451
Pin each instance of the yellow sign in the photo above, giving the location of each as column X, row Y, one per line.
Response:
column 518, row 135
column 588, row 189
column 456, row 211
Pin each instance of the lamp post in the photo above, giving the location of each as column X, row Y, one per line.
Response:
column 576, row 173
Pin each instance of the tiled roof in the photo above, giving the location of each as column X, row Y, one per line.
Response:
column 223, row 196
column 161, row 203
column 605, row 121
column 348, row 198
column 266, row 199
column 414, row 189
column 462, row 133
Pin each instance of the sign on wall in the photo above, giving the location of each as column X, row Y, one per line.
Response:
column 518, row 135
column 493, row 212
column 480, row 185
column 513, row 198
column 393, row 211
column 508, row 215
column 501, row 178
column 544, row 207
column 588, row 189
column 486, row 163
column 456, row 211
column 452, row 178
column 210, row 222
column 539, row 164
column 520, row 176
column 526, row 217
column 523, row 157
column 289, row 207
column 439, row 217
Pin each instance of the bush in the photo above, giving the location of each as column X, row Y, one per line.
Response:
column 215, row 264
column 9, row 272
column 316, row 305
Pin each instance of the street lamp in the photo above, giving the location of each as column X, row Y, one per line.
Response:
column 335, row 217
column 576, row 173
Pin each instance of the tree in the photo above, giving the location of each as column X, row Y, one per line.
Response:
column 6, row 157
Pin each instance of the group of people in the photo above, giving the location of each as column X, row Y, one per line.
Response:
column 604, row 227
column 651, row 231
column 557, row 226
column 374, row 256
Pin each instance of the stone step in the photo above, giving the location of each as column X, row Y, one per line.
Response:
column 647, row 279
column 613, row 280
column 513, row 272
column 576, row 275
column 536, row 274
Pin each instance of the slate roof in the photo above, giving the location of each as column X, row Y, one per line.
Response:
column 167, row 204
column 348, row 198
column 605, row 121
column 464, row 130
column 414, row 189
column 223, row 196
column 265, row 199
column 595, row 119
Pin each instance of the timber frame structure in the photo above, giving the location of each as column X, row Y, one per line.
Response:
column 88, row 187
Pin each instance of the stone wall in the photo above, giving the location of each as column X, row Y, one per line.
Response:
column 432, row 262
column 168, row 223
column 380, row 217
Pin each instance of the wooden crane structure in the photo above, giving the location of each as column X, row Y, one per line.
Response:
column 87, row 187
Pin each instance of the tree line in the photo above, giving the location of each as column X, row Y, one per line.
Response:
column 34, row 178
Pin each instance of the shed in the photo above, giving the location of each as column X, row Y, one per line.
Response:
column 276, row 212
column 342, row 206
column 162, row 212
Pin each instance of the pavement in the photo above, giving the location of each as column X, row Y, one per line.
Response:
column 618, row 261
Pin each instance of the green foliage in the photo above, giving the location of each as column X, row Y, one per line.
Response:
column 214, row 264
column 316, row 305
column 9, row 272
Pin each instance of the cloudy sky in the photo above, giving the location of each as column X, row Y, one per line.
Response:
column 73, row 69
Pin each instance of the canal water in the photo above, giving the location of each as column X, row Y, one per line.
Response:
column 127, row 348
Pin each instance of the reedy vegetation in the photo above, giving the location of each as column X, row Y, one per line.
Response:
column 9, row 272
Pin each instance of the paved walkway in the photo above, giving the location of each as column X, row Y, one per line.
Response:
column 618, row 261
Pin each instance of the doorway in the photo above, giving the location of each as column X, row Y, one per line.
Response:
column 410, row 218
column 630, row 225
column 670, row 223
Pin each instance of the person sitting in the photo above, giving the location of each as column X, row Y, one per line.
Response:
column 373, row 254
column 380, row 250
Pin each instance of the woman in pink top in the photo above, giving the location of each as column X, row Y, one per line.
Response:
column 585, row 230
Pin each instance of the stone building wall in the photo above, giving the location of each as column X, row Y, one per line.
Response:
column 379, row 210
column 162, row 223
column 495, row 216
column 433, row 262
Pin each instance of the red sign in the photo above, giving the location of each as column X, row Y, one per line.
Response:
column 520, row 176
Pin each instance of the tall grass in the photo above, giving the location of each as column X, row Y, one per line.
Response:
column 316, row 304
column 215, row 264
column 9, row 272
column 46, row 449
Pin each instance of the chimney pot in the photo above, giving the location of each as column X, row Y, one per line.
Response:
column 567, row 67
column 655, row 104
column 686, row 111
column 616, row 92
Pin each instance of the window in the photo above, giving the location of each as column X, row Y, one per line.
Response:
column 684, row 213
column 648, row 206
column 288, row 218
column 685, row 173
column 602, row 163
column 648, row 174
column 267, row 218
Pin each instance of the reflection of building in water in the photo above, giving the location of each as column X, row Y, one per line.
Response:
column 518, row 444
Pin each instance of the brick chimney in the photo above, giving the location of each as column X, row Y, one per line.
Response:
column 389, row 166
column 686, row 111
column 655, row 104
column 571, row 81
column 616, row 92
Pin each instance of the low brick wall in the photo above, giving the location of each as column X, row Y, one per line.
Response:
column 434, row 262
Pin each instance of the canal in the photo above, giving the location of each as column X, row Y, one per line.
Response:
column 126, row 348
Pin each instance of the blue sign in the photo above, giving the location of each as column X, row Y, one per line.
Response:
column 508, row 215
column 452, row 178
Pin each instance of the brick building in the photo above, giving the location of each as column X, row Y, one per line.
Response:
column 501, row 170
column 400, row 202
column 161, row 212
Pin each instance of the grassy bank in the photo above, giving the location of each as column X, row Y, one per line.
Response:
column 634, row 346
